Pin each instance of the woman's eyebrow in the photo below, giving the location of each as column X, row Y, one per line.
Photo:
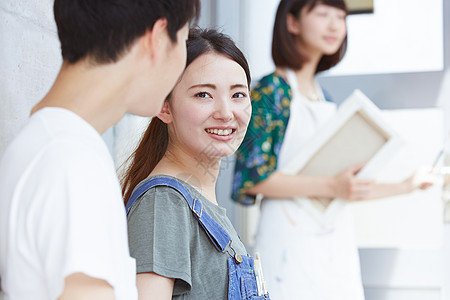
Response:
column 213, row 86
column 200, row 85
column 238, row 86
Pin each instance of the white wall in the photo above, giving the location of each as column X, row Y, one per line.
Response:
column 257, row 31
column 29, row 60
column 387, row 41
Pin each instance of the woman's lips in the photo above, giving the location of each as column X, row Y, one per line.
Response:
column 222, row 134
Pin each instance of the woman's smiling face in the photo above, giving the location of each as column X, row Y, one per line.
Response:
column 321, row 29
column 209, row 109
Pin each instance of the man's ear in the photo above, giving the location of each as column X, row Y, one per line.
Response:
column 165, row 115
column 292, row 24
column 154, row 40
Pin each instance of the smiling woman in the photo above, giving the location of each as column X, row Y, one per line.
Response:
column 211, row 95
column 208, row 109
column 191, row 249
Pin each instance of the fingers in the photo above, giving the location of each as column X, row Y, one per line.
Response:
column 356, row 168
column 425, row 185
column 423, row 178
column 347, row 186
column 360, row 189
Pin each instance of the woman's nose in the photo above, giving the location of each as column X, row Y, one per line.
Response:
column 223, row 110
column 335, row 22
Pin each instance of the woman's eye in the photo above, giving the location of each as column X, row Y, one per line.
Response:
column 202, row 95
column 239, row 95
column 342, row 16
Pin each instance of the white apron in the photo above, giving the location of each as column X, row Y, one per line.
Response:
column 306, row 253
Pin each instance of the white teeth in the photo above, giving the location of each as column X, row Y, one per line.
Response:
column 221, row 132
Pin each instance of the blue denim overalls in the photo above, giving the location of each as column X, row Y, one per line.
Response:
column 242, row 282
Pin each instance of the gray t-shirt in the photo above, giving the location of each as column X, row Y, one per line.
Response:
column 166, row 238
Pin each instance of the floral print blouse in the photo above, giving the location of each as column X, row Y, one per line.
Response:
column 256, row 158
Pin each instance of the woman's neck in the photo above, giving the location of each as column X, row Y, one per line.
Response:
column 306, row 78
column 201, row 173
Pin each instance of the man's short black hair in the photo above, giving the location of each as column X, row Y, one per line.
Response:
column 103, row 30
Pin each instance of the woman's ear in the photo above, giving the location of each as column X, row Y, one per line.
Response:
column 292, row 24
column 165, row 114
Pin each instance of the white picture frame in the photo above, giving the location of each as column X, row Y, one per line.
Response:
column 357, row 134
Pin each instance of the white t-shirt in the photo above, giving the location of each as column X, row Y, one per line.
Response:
column 61, row 210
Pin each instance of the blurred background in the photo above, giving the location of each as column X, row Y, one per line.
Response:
column 398, row 55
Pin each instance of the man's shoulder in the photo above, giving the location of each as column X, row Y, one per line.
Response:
column 49, row 125
column 36, row 155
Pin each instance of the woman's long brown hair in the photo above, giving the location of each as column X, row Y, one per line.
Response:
column 155, row 140
column 147, row 155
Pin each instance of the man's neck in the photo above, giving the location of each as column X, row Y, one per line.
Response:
column 95, row 93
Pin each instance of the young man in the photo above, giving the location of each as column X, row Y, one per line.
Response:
column 62, row 220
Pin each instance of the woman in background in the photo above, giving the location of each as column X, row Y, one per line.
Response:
column 307, row 245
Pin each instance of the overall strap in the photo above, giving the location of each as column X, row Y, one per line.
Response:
column 218, row 236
